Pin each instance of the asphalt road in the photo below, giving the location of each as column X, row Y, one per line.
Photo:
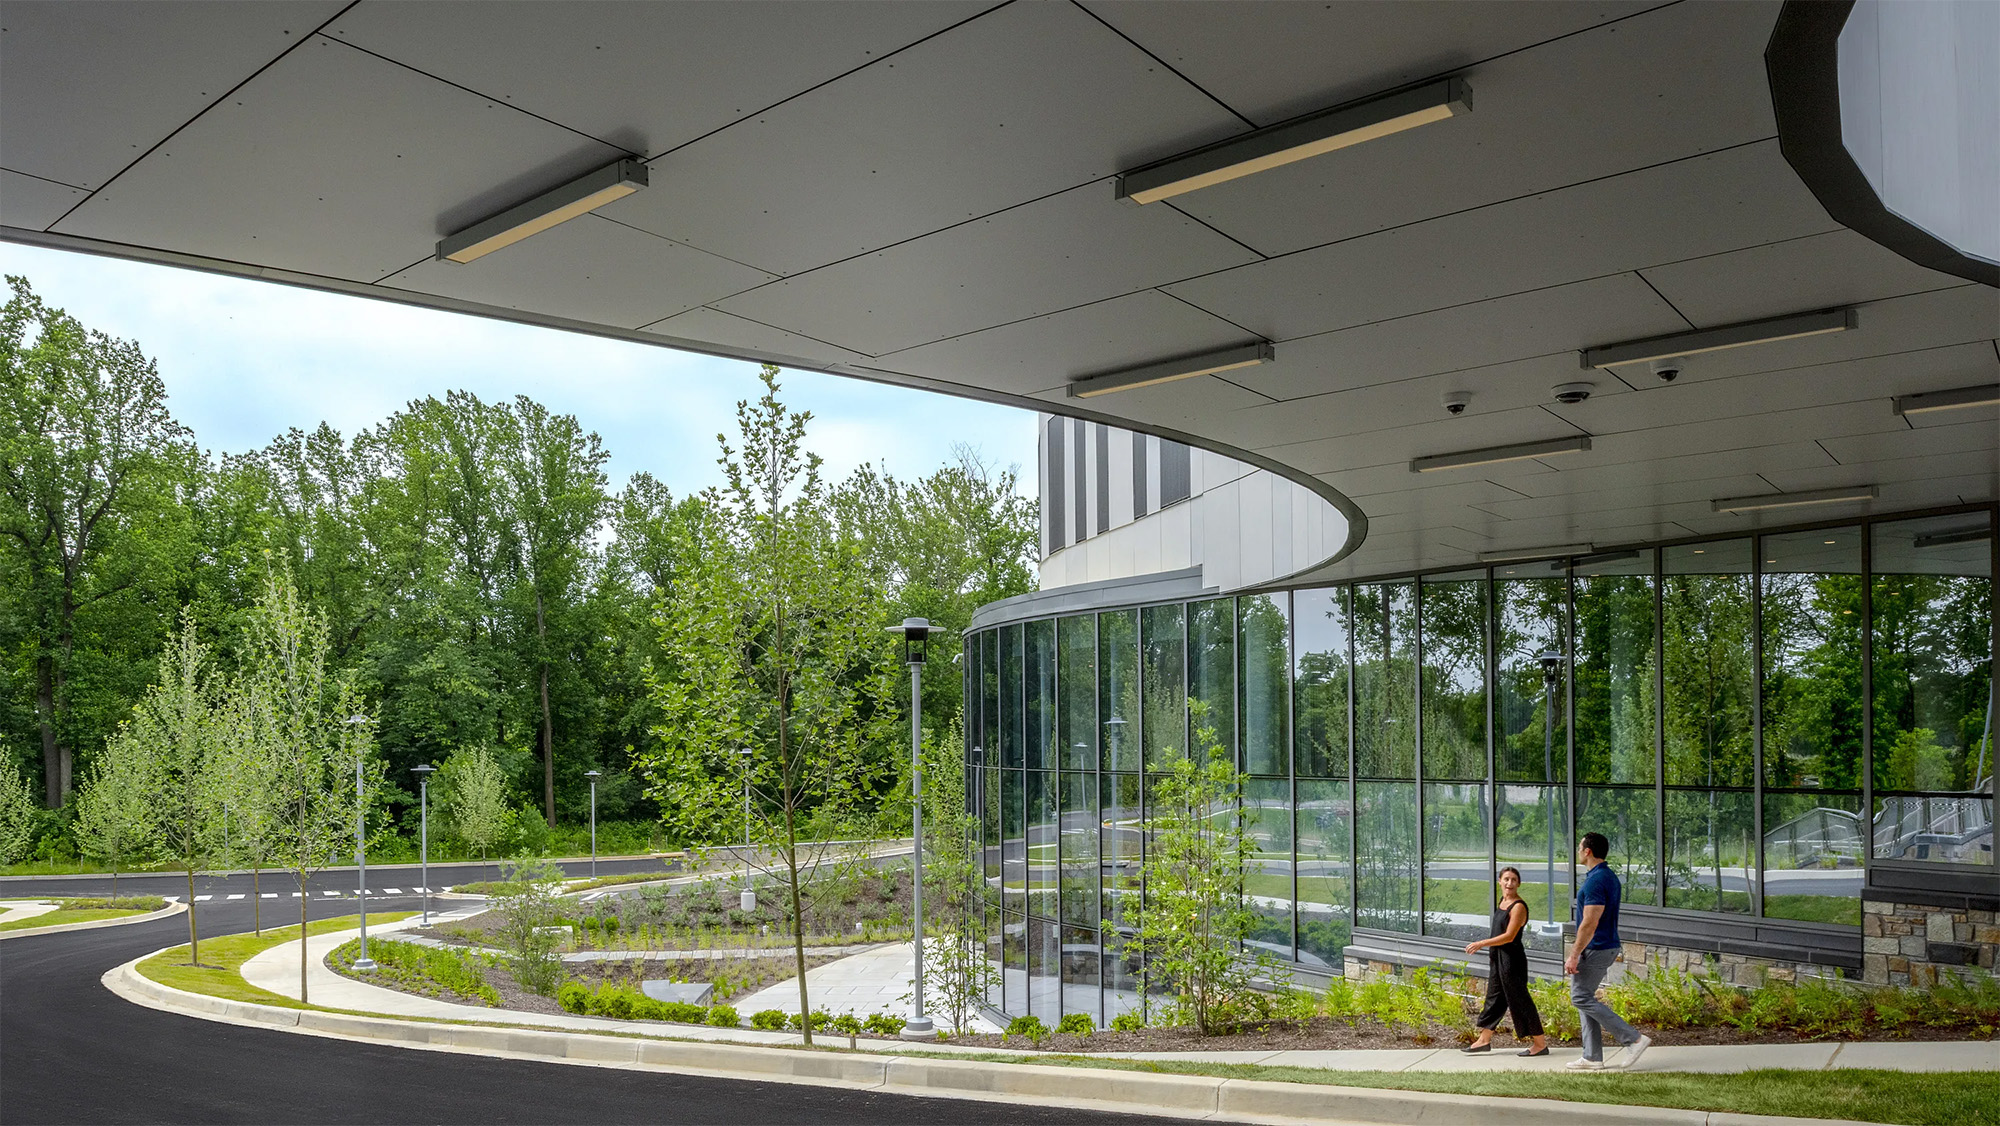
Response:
column 71, row 1051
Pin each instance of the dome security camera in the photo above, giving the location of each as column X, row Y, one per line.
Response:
column 1668, row 370
column 1571, row 393
column 1457, row 401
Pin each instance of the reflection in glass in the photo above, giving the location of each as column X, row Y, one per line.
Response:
column 1267, row 875
column 993, row 945
column 1077, row 640
column 1079, row 849
column 1082, row 966
column 1812, row 659
column 1385, row 891
column 1626, row 817
column 1014, row 973
column 1458, row 876
column 1530, row 647
column 989, row 671
column 990, row 830
column 1043, row 843
column 1164, row 694
column 1711, row 850
column 1011, row 727
column 1933, row 654
column 1324, row 882
column 1385, row 698
column 1710, row 677
column 1614, row 668
column 1014, row 841
column 1934, row 828
column 1532, row 833
column 1319, row 682
column 1045, row 971
column 1118, row 688
column 1211, row 657
column 1813, row 857
column 1267, row 728
column 1454, row 685
column 1040, row 684
column 1123, row 839
column 1122, row 983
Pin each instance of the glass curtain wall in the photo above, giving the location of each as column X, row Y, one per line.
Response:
column 1753, row 722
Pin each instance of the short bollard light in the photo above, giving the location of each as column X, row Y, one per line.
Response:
column 423, row 774
column 593, row 775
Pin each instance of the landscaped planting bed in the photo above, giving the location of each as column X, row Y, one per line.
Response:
column 88, row 911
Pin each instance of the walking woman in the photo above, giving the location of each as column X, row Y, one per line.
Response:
column 1507, row 973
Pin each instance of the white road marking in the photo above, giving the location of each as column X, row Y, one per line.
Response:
column 332, row 893
column 239, row 896
column 206, row 898
column 399, row 891
column 274, row 895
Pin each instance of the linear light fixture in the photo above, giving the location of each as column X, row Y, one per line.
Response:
column 558, row 205
column 1957, row 535
column 1166, row 371
column 1794, row 500
column 1295, row 140
column 1525, row 554
column 1519, row 451
column 1717, row 339
column 1984, row 396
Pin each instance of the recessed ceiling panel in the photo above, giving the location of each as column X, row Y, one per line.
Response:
column 718, row 329
column 90, row 87
column 656, row 76
column 1659, row 87
column 337, row 163
column 588, row 269
column 33, row 203
column 1480, row 334
column 1401, row 444
column 1045, row 352
column 1597, row 477
column 1031, row 99
column 1057, row 253
column 1977, row 430
column 1816, row 272
column 1697, row 207
column 1274, row 60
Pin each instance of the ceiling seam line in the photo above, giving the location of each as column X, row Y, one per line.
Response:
column 1516, row 199
column 1829, row 453
column 498, row 101
column 836, row 78
column 200, row 113
column 45, row 179
column 1267, row 399
column 1025, row 320
column 1171, row 68
column 775, row 275
column 1160, row 289
column 1641, row 275
column 1212, row 227
column 762, row 324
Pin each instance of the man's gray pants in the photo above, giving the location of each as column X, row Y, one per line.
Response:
column 1597, row 1017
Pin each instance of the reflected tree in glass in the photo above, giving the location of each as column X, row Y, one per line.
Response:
column 1164, row 693
column 1319, row 682
column 1531, row 643
column 1613, row 673
column 1386, row 870
column 1458, row 876
column 1325, row 892
column 1264, row 674
column 1385, row 700
column 1454, row 684
column 1118, row 688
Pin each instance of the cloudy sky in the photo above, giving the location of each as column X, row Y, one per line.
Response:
column 244, row 360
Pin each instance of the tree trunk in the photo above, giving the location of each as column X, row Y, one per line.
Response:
column 45, row 716
column 257, row 899
column 194, row 943
column 548, row 725
column 304, row 899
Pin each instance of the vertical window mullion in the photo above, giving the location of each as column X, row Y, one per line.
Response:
column 1756, row 888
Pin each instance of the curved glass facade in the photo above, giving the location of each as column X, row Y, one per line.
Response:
column 1754, row 722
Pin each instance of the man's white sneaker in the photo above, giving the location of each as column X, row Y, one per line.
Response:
column 1632, row 1053
column 1581, row 1064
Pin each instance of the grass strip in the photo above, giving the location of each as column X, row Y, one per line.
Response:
column 627, row 878
column 1952, row 1098
column 221, row 971
column 55, row 918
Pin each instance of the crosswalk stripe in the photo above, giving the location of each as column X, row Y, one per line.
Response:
column 332, row 893
column 399, row 891
column 237, row 896
column 274, row 895
column 206, row 898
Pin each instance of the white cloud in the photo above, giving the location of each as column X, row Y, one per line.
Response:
column 245, row 360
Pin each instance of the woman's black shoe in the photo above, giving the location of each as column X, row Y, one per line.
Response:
column 1532, row 1052
column 1475, row 1048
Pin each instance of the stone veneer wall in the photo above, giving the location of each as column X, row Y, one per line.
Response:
column 1908, row 943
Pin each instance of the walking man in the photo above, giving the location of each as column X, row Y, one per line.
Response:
column 1590, row 958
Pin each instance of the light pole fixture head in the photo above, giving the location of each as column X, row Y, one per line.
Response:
column 916, row 636
column 593, row 775
column 1551, row 662
column 423, row 772
column 356, row 720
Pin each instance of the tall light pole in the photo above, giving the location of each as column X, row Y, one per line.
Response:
column 743, row 753
column 1551, row 671
column 423, row 774
column 916, row 635
column 363, row 964
column 593, row 775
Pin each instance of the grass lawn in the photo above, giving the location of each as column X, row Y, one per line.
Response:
column 614, row 881
column 1917, row 1098
column 222, row 957
column 52, row 918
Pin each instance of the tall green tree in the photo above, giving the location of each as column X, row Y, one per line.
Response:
column 174, row 727
column 113, row 821
column 94, row 473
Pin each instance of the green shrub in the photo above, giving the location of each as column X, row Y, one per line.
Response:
column 1822, row 1008
column 723, row 1016
column 1559, row 1017
column 847, row 1023
column 1128, row 1022
column 884, row 1024
column 573, row 997
column 683, row 1011
column 122, row 903
column 771, row 1020
column 1342, row 1000
column 1030, row 1027
column 1964, row 999
column 1669, row 998
column 1076, row 1024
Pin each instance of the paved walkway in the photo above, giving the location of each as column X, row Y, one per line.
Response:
column 24, row 909
column 880, row 979
column 1958, row 1055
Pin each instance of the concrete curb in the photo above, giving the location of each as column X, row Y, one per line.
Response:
column 58, row 928
column 1129, row 1092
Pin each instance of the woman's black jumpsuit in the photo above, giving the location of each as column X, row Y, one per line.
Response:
column 1507, row 980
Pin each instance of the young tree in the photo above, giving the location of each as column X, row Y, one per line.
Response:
column 174, row 727
column 17, row 814
column 475, row 796
column 299, row 714
column 1193, row 920
column 774, row 645
column 113, row 822
column 249, row 787
column 956, row 969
